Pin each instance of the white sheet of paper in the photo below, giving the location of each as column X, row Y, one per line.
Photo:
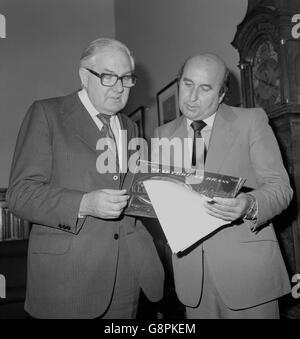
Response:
column 181, row 213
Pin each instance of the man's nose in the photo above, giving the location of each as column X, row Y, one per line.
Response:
column 118, row 87
column 194, row 94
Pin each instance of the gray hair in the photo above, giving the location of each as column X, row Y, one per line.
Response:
column 97, row 45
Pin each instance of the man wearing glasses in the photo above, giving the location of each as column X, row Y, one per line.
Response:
column 85, row 258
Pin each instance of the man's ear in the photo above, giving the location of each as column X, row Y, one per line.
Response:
column 83, row 76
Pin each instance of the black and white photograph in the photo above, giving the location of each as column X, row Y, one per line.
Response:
column 150, row 162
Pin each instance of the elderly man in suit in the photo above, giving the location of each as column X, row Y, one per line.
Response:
column 238, row 272
column 85, row 258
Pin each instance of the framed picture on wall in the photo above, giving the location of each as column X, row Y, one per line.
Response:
column 167, row 103
column 138, row 117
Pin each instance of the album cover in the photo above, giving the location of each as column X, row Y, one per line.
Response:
column 205, row 183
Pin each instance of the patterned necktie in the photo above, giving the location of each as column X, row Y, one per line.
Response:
column 107, row 131
column 197, row 126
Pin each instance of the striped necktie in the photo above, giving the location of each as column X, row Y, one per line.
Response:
column 107, row 131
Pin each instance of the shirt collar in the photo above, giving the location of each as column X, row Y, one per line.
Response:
column 83, row 96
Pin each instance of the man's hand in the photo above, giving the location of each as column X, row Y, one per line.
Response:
column 104, row 204
column 229, row 209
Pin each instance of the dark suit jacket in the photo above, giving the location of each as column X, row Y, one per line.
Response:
column 247, row 268
column 72, row 264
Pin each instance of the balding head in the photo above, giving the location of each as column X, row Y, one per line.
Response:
column 215, row 62
column 201, row 85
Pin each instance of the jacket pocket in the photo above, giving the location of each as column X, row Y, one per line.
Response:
column 50, row 243
column 265, row 233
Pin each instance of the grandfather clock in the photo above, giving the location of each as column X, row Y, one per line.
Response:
column 270, row 78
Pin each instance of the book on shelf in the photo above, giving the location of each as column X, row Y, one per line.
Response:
column 207, row 184
column 11, row 226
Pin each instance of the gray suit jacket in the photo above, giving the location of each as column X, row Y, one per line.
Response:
column 72, row 264
column 247, row 267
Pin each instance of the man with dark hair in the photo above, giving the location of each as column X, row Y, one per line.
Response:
column 85, row 258
column 238, row 272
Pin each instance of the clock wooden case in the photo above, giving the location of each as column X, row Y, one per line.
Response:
column 269, row 56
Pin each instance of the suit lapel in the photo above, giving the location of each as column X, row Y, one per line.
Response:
column 123, row 123
column 222, row 138
column 130, row 134
column 76, row 117
column 179, row 131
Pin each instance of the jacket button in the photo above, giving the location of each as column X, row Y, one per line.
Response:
column 116, row 236
column 115, row 177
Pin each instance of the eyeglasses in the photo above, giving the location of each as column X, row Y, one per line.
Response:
column 109, row 80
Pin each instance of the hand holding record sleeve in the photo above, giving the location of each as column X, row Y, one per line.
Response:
column 207, row 184
column 182, row 213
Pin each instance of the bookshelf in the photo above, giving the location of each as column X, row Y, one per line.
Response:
column 11, row 227
column 14, row 233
